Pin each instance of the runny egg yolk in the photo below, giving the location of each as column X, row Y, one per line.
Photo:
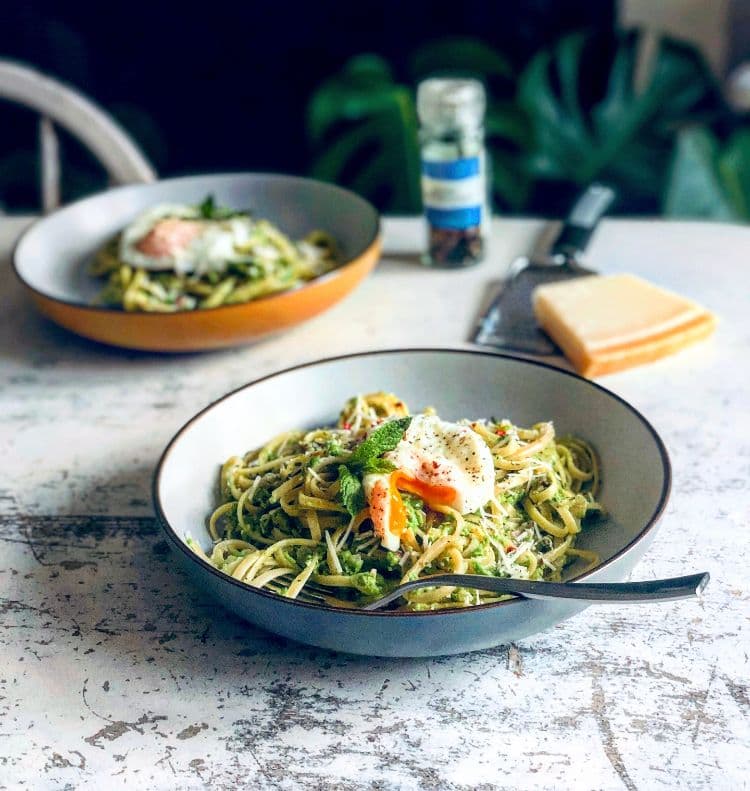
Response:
column 432, row 496
column 444, row 464
column 431, row 493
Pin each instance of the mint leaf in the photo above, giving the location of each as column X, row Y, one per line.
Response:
column 211, row 211
column 365, row 461
column 208, row 207
column 351, row 492
column 378, row 466
column 380, row 441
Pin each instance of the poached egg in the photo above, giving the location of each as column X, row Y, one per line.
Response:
column 443, row 463
column 175, row 237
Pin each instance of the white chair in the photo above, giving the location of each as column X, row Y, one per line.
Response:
column 96, row 129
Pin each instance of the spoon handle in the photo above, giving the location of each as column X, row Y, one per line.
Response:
column 589, row 592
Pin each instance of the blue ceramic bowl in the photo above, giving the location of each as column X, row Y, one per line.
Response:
column 635, row 485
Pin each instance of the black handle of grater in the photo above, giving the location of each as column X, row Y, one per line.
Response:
column 582, row 221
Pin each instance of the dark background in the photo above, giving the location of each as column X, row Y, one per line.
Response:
column 223, row 86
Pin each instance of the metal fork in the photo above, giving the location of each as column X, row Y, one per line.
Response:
column 588, row 592
column 310, row 594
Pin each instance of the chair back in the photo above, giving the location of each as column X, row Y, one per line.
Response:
column 96, row 129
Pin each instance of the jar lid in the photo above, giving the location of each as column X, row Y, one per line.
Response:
column 451, row 103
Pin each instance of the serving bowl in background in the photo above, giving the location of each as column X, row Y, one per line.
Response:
column 635, row 485
column 51, row 259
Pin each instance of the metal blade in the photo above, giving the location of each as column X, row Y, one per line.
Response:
column 509, row 321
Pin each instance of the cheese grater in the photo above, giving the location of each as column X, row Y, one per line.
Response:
column 509, row 322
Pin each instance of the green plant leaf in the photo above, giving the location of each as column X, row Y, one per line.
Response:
column 507, row 133
column 369, row 69
column 458, row 55
column 208, row 207
column 575, row 117
column 363, row 126
column 506, row 121
column 352, row 95
column 734, row 167
column 332, row 161
column 380, row 441
column 705, row 181
column 364, row 131
column 351, row 491
column 378, row 467
column 559, row 136
column 209, row 210
column 510, row 183
column 583, row 131
column 365, row 460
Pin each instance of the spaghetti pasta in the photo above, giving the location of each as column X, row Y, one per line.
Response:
column 178, row 257
column 286, row 520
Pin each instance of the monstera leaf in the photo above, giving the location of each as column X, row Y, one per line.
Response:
column 575, row 116
column 363, row 126
column 508, row 132
column 707, row 179
column 586, row 128
column 458, row 55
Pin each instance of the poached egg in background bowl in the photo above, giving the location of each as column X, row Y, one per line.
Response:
column 179, row 238
column 175, row 237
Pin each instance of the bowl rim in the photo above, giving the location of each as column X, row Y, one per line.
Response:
column 16, row 264
column 478, row 608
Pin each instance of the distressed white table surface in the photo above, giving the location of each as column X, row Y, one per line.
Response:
column 115, row 672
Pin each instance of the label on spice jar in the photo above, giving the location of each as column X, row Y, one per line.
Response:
column 454, row 192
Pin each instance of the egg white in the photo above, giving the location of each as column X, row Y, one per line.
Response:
column 437, row 453
column 441, row 453
column 218, row 245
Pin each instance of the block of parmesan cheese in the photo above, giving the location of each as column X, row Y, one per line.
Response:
column 604, row 323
